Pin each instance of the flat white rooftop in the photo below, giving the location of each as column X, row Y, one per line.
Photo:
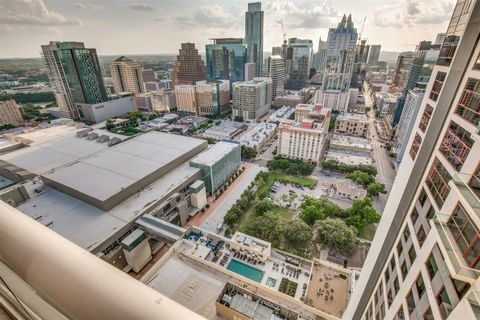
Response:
column 351, row 158
column 214, row 153
column 353, row 117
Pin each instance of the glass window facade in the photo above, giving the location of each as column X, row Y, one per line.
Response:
column 427, row 114
column 437, row 85
column 226, row 61
column 469, row 104
column 437, row 182
column 417, row 141
column 456, row 145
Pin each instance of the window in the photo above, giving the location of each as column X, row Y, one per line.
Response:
column 437, row 182
column 400, row 315
column 412, row 254
column 466, row 235
column 423, row 197
column 392, row 263
column 437, row 85
column 399, row 248
column 444, row 303
column 430, row 213
column 460, row 287
column 404, row 270
column 406, row 233
column 469, row 105
column 396, row 285
column 427, row 114
column 421, row 236
column 387, row 275
column 417, row 141
column 456, row 145
column 432, row 266
column 420, row 285
column 475, row 181
column 410, row 302
column 477, row 64
column 389, row 298
column 428, row 315
column 414, row 216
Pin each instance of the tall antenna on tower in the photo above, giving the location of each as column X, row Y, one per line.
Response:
column 361, row 30
column 283, row 30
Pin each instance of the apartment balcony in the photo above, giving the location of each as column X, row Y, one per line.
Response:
column 460, row 181
column 454, row 259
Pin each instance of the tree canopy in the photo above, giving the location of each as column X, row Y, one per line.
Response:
column 361, row 177
column 335, row 234
column 375, row 188
column 298, row 233
column 248, row 152
column 267, row 227
column 318, row 209
column 361, row 213
column 290, row 166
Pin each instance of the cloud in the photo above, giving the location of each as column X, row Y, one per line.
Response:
column 212, row 16
column 142, row 7
column 301, row 14
column 408, row 13
column 87, row 6
column 32, row 12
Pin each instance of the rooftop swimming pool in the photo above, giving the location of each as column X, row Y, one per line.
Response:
column 245, row 270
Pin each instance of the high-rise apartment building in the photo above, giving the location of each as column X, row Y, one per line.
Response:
column 304, row 139
column 252, row 99
column 274, row 68
column 374, row 54
column 250, row 70
column 360, row 65
column 423, row 262
column 10, row 113
column 254, row 35
column 204, row 98
column 321, row 55
column 440, row 38
column 226, row 58
column 127, row 75
column 412, row 104
column 189, row 67
column 298, row 60
column 75, row 74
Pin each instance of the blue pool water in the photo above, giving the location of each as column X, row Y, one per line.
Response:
column 245, row 270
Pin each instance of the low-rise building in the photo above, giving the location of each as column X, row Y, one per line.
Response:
column 218, row 164
column 281, row 114
column 349, row 157
column 98, row 112
column 344, row 142
column 159, row 101
column 304, row 140
column 347, row 189
column 355, row 124
column 259, row 135
column 10, row 113
column 226, row 130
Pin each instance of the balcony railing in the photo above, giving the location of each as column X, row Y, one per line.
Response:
column 460, row 180
column 474, row 300
column 456, row 263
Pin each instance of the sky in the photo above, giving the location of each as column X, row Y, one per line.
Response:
column 124, row 27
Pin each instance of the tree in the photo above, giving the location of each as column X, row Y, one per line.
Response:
column 335, row 234
column 361, row 177
column 319, row 209
column 238, row 119
column 361, row 213
column 375, row 188
column 248, row 152
column 267, row 227
column 298, row 233
column 264, row 206
column 311, row 214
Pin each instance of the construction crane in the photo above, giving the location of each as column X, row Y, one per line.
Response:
column 361, row 30
column 283, row 31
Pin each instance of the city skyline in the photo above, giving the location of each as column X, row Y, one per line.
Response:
column 158, row 27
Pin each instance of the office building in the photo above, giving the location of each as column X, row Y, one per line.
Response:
column 225, row 58
column 404, row 64
column 298, row 60
column 374, row 54
column 355, row 124
column 259, row 135
column 360, row 66
column 321, row 56
column 204, row 98
column 218, row 164
column 305, row 139
column 117, row 106
column 277, row 51
column 254, row 35
column 189, row 67
column 75, row 74
column 159, row 101
column 404, row 128
column 127, row 75
column 274, row 68
column 148, row 75
column 10, row 113
column 252, row 99
column 250, row 71
column 423, row 262
column 440, row 38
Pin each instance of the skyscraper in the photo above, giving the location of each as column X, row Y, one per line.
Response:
column 252, row 99
column 254, row 35
column 250, row 70
column 360, row 65
column 424, row 260
column 321, row 55
column 226, row 58
column 75, row 74
column 189, row 67
column 127, row 75
column 402, row 68
column 374, row 54
column 440, row 38
column 298, row 60
column 274, row 68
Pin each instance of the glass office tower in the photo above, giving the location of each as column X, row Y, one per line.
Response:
column 299, row 57
column 226, row 58
column 254, row 35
